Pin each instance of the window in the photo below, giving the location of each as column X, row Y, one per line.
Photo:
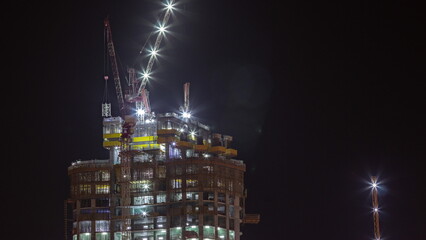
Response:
column 220, row 183
column 102, row 202
column 221, row 197
column 231, row 211
column 175, row 197
column 102, row 189
column 102, row 175
column 192, row 196
column 208, row 196
column 191, row 169
column 143, row 200
column 178, row 170
column 176, row 183
column 85, row 189
column 161, row 198
column 85, row 236
column 140, row 174
column 85, row 177
column 231, row 185
column 85, row 203
column 102, row 236
column 141, row 186
column 191, row 183
column 85, row 226
column 161, row 171
column 102, row 226
column 221, row 209
column 208, row 231
column 208, row 169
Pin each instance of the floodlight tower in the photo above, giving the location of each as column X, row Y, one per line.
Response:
column 375, row 208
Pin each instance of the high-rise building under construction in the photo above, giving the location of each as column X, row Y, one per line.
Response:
column 168, row 177
column 181, row 185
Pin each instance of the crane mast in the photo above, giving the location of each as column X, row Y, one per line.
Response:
column 375, row 201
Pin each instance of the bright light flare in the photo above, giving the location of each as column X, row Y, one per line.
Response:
column 374, row 183
column 140, row 112
column 154, row 52
column 145, row 75
column 186, row 115
column 169, row 6
column 375, row 209
column 161, row 28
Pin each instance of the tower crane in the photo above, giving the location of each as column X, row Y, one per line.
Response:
column 140, row 97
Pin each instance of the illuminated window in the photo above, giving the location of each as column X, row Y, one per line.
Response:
column 221, row 209
column 102, row 236
column 85, row 189
column 231, row 235
column 102, row 175
column 191, row 183
column 102, row 226
column 176, row 183
column 102, row 189
column 85, row 226
column 175, row 197
column 192, row 196
column 85, row 236
column 140, row 174
column 208, row 231
column 141, row 186
column 161, row 198
column 143, row 200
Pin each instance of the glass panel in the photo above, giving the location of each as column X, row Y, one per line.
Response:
column 117, row 236
column 231, row 235
column 191, row 232
column 209, row 232
column 102, row 226
column 161, row 198
column 143, row 200
column 102, row 236
column 221, row 233
column 102, row 189
column 85, row 226
column 176, row 233
column 85, row 236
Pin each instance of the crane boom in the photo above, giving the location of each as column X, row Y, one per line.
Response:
column 114, row 67
column 156, row 47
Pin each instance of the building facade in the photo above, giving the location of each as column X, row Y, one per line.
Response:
column 183, row 183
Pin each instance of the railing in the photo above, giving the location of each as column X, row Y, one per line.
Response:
column 89, row 163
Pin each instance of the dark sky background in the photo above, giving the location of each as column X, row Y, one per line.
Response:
column 318, row 95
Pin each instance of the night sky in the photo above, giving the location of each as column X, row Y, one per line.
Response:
column 318, row 96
